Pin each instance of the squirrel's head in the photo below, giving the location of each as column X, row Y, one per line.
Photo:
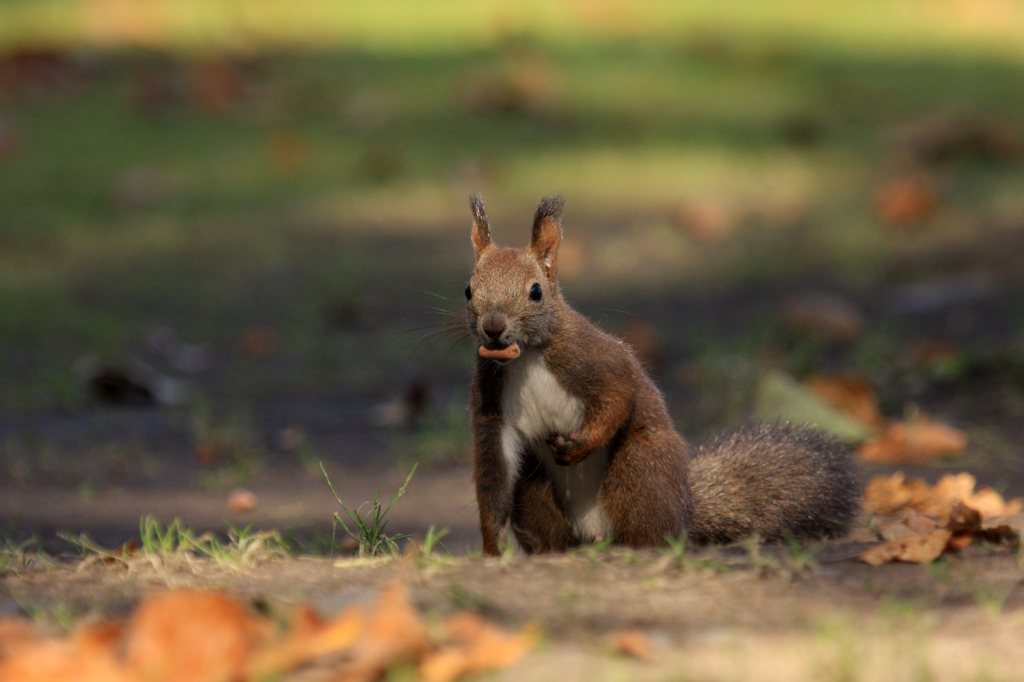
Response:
column 512, row 299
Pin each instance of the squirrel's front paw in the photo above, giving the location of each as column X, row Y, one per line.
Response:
column 566, row 450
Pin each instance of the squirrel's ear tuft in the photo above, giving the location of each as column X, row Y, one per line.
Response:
column 547, row 233
column 481, row 231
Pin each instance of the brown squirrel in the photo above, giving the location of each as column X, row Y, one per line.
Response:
column 573, row 442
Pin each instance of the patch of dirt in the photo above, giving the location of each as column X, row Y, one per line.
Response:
column 719, row 613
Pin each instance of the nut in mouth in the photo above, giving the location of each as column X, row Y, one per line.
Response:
column 509, row 352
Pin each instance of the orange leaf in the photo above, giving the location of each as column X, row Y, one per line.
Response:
column 920, row 548
column 446, row 665
column 947, row 491
column 190, row 635
column 87, row 656
column 916, row 442
column 338, row 634
column 478, row 647
column 464, row 627
column 634, row 643
column 920, row 524
column 242, row 500
column 889, row 494
column 991, row 504
column 907, row 201
column 14, row 633
column 850, row 394
column 496, row 649
column 952, row 500
column 393, row 633
column 929, row 439
column 309, row 638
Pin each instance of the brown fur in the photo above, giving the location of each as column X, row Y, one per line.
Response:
column 765, row 481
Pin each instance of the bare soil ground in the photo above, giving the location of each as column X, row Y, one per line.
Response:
column 717, row 614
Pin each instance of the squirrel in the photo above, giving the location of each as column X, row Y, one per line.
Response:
column 573, row 442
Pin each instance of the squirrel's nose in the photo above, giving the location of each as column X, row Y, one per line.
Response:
column 493, row 326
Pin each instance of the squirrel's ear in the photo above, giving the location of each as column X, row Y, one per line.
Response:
column 481, row 231
column 547, row 233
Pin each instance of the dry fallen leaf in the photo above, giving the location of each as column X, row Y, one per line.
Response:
column 307, row 639
column 963, row 522
column 393, row 633
column 991, row 504
column 242, row 500
column 889, row 494
column 87, row 656
column 849, row 393
column 476, row 647
column 198, row 635
column 634, row 643
column 918, row 441
column 190, row 635
column 895, row 493
column 907, row 201
column 946, row 509
column 919, row 549
column 463, row 627
column 918, row 523
column 947, row 491
column 14, row 633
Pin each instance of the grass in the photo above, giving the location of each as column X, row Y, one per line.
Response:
column 428, row 555
column 17, row 557
column 176, row 541
column 676, row 549
column 800, row 559
column 368, row 530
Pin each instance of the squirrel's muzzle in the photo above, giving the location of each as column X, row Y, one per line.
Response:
column 493, row 326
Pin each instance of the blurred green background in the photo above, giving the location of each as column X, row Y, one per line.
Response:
column 254, row 212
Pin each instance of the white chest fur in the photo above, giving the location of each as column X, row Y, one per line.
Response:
column 535, row 403
column 536, row 406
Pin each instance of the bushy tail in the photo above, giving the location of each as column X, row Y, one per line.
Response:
column 772, row 481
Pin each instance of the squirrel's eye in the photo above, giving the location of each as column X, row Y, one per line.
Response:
column 535, row 292
column 469, row 292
